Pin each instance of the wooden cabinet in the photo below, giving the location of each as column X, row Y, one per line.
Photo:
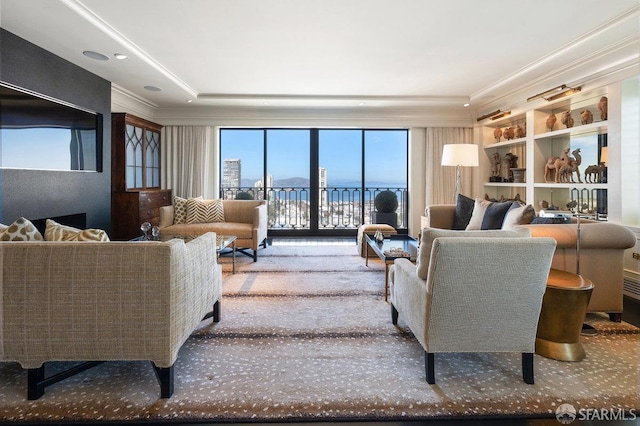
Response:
column 136, row 196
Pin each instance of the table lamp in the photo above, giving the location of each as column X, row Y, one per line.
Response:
column 459, row 155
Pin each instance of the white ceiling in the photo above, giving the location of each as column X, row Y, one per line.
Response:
column 329, row 53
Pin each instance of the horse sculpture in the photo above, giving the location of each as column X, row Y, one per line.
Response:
column 555, row 163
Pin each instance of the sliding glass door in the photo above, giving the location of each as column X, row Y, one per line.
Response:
column 315, row 181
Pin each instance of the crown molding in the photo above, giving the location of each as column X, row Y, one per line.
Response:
column 91, row 17
column 527, row 70
column 315, row 117
column 123, row 100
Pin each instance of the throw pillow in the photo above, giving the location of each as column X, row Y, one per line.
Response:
column 488, row 214
column 55, row 231
column 518, row 215
column 430, row 234
column 549, row 220
column 464, row 209
column 204, row 211
column 180, row 209
column 21, row 230
column 2, row 229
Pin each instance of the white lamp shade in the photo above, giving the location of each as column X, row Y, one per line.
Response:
column 460, row 154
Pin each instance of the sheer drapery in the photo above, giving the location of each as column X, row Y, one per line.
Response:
column 441, row 180
column 187, row 159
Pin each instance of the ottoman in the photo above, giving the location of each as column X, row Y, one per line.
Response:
column 371, row 229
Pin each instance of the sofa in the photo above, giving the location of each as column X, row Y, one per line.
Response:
column 602, row 247
column 104, row 301
column 244, row 219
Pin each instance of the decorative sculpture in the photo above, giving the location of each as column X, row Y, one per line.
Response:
column 593, row 172
column 509, row 161
column 555, row 163
column 603, row 106
column 520, row 132
column 566, row 119
column 497, row 133
column 495, row 164
column 567, row 170
column 586, row 117
column 508, row 133
column 551, row 121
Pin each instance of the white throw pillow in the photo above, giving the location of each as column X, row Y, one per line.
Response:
column 518, row 215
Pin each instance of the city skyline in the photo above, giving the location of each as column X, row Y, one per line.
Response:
column 340, row 154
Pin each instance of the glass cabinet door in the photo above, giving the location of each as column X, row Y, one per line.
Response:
column 134, row 152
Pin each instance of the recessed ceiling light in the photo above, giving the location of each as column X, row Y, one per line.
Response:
column 361, row 103
column 189, row 101
column 95, row 55
column 120, row 56
column 153, row 88
column 466, row 105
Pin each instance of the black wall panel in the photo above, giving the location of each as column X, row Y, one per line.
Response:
column 37, row 194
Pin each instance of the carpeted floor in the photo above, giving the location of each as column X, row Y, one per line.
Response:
column 306, row 335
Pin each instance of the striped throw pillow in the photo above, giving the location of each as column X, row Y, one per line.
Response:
column 57, row 232
column 180, row 209
column 204, row 211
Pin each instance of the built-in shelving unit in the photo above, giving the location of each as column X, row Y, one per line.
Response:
column 543, row 138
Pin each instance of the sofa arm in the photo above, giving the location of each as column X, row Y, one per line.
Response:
column 260, row 220
column 440, row 216
column 167, row 214
column 593, row 235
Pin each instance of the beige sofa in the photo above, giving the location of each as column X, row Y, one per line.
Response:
column 244, row 219
column 602, row 247
column 94, row 301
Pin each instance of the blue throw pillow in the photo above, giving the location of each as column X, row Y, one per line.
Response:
column 494, row 215
column 549, row 220
column 464, row 209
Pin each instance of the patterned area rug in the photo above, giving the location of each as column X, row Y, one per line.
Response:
column 306, row 335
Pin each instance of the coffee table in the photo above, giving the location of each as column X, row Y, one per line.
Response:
column 222, row 242
column 383, row 251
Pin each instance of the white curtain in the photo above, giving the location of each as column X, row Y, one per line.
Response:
column 188, row 163
column 441, row 180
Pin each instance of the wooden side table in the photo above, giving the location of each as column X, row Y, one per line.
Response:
column 564, row 307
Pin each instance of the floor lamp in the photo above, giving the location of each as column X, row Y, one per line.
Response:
column 459, row 155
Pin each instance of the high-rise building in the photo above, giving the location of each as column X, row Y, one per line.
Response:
column 231, row 173
column 322, row 185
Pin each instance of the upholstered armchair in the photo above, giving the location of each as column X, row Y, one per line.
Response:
column 476, row 291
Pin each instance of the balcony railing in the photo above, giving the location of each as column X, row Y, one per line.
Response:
column 338, row 207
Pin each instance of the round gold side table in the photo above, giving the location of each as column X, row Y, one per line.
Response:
column 564, row 307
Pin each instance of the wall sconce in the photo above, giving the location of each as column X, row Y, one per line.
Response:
column 555, row 93
column 495, row 115
column 459, row 155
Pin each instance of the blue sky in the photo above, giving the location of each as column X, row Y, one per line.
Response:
column 340, row 153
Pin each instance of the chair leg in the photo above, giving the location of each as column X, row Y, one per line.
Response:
column 527, row 367
column 615, row 316
column 394, row 315
column 165, row 378
column 429, row 361
column 216, row 311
